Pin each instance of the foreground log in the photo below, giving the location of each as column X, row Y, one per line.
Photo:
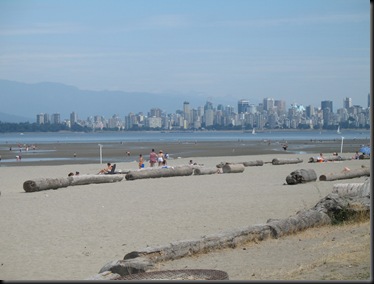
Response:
column 346, row 174
column 160, row 172
column 301, row 176
column 277, row 161
column 233, row 168
column 55, row 183
column 253, row 163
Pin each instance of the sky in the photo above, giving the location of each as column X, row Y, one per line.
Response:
column 300, row 51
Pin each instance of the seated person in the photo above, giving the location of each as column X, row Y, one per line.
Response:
column 321, row 158
column 164, row 165
column 106, row 170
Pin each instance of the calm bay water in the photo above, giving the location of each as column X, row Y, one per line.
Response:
column 153, row 136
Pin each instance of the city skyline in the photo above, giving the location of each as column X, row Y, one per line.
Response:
column 271, row 113
column 300, row 50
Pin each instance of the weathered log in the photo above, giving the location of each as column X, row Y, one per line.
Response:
column 351, row 188
column 301, row 176
column 277, row 161
column 89, row 179
column 233, row 168
column 46, row 183
column 346, row 174
column 205, row 171
column 55, row 183
column 328, row 159
column 160, row 172
column 253, row 163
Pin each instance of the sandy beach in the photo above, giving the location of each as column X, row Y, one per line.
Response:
column 70, row 233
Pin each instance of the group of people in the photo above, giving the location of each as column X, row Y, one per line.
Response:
column 154, row 158
column 72, row 174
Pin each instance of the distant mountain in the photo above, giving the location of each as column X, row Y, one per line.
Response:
column 4, row 117
column 21, row 100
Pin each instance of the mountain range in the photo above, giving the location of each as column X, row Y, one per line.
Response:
column 21, row 102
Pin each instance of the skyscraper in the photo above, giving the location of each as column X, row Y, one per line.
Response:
column 243, row 106
column 326, row 104
column 186, row 112
column 347, row 103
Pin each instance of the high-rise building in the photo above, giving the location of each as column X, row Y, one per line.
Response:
column 47, row 118
column 326, row 104
column 186, row 112
column 243, row 106
column 40, row 118
column 347, row 103
column 281, row 106
column 73, row 118
column 268, row 104
column 56, row 118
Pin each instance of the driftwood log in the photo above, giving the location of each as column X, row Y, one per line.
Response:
column 277, row 161
column 346, row 174
column 55, row 183
column 253, row 163
column 160, row 172
column 205, row 170
column 328, row 158
column 301, row 176
column 351, row 188
column 233, row 168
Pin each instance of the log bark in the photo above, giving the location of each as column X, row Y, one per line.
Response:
column 159, row 172
column 205, row 171
column 233, row 168
column 301, row 176
column 345, row 175
column 277, row 161
column 89, row 179
column 253, row 163
column 55, row 183
column 347, row 188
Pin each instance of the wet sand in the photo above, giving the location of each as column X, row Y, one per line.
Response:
column 87, row 153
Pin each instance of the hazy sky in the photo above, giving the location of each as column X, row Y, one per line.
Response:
column 302, row 51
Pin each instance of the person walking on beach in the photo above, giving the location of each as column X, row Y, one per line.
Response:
column 141, row 161
column 152, row 158
column 160, row 157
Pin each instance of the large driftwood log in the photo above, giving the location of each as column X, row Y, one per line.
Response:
column 205, row 170
column 159, row 172
column 253, row 163
column 301, row 176
column 233, row 168
column 277, row 161
column 55, row 183
column 346, row 174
